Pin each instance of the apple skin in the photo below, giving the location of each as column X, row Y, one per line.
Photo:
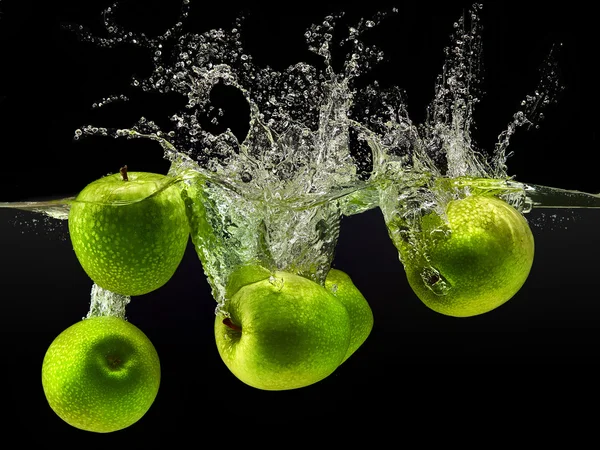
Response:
column 484, row 259
column 128, row 246
column 101, row 374
column 341, row 286
column 245, row 275
column 289, row 332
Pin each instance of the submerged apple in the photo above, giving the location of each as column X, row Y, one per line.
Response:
column 129, row 231
column 281, row 331
column 361, row 317
column 101, row 374
column 472, row 262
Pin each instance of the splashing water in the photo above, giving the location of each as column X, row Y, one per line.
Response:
column 107, row 303
column 269, row 199
column 317, row 147
column 438, row 161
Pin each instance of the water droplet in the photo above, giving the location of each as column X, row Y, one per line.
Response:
column 278, row 282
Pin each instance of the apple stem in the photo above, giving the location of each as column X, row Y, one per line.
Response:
column 227, row 322
column 123, row 172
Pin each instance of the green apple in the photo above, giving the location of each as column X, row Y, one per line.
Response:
column 283, row 332
column 101, row 374
column 359, row 311
column 129, row 231
column 474, row 260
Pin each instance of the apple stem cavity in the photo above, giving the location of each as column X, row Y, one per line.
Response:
column 113, row 362
column 227, row 322
column 123, row 172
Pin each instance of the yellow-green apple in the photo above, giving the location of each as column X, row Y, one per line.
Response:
column 473, row 260
column 129, row 231
column 281, row 332
column 101, row 374
column 361, row 316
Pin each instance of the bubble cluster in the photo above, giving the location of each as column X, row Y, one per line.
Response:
column 553, row 221
column 44, row 223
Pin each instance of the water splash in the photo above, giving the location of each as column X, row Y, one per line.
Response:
column 269, row 198
column 317, row 146
column 439, row 161
column 107, row 303
column 531, row 112
column 56, row 209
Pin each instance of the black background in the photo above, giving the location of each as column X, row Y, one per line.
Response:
column 414, row 356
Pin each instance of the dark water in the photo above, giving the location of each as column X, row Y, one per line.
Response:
column 414, row 356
